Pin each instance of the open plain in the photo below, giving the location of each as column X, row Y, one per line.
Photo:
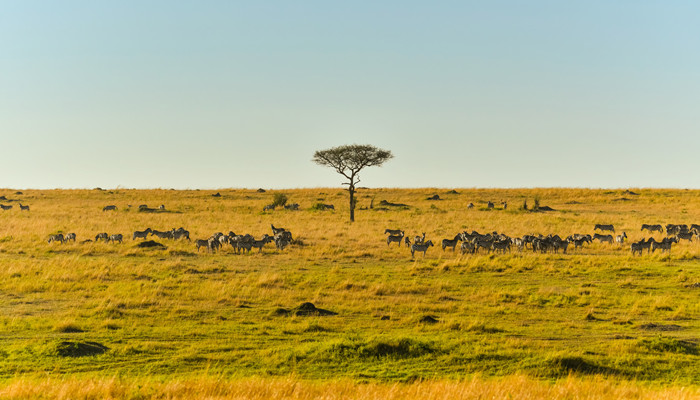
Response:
column 100, row 320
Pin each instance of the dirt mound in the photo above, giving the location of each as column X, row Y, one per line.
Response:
column 388, row 204
column 453, row 192
column 434, row 197
column 80, row 349
column 261, row 190
column 428, row 319
column 304, row 310
column 217, row 194
column 631, row 193
column 659, row 327
column 151, row 244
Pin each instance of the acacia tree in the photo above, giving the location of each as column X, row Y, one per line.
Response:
column 349, row 160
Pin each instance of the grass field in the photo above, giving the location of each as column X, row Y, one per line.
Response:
column 99, row 320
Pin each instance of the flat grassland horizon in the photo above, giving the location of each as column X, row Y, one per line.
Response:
column 105, row 320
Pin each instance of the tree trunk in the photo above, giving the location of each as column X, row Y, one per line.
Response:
column 351, row 189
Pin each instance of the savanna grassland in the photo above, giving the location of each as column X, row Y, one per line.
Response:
column 102, row 320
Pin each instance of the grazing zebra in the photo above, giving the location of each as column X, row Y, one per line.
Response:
column 70, row 236
column 490, row 205
column 259, row 244
column 141, row 234
column 394, row 238
column 328, row 206
column 23, row 208
column 282, row 240
column 420, row 247
column 293, row 207
column 620, row 239
column 603, row 238
column 163, row 234
column 505, row 205
column 637, row 247
column 57, row 238
column 269, row 207
column 451, row 242
column 604, row 228
column 685, row 236
column 407, row 241
column 180, row 233
column 111, row 208
column 470, row 206
column 501, row 245
column 393, row 231
column 116, row 238
column 664, row 245
column 653, row 228
column 202, row 243
column 104, row 236
column 161, row 207
column 467, row 247
column 143, row 206
column 4, row 207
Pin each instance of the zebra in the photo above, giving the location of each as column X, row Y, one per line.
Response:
column 653, row 228
column 5, row 207
column 451, row 242
column 328, row 207
column 685, row 236
column 141, row 234
column 505, row 205
column 111, row 208
column 116, row 238
column 143, row 206
column 57, row 238
column 637, row 247
column 104, row 236
column 202, row 243
column 419, row 239
column 163, row 234
column 407, row 241
column 293, row 207
column 620, row 239
column 269, row 207
column 420, row 247
column 664, row 245
column 393, row 231
column 604, row 228
column 180, row 233
column 282, row 240
column 394, row 238
column 23, row 208
column 259, row 244
column 161, row 207
column 70, row 236
column 467, row 247
column 603, row 238
column 276, row 230
column 470, row 206
column 501, row 245
column 490, row 205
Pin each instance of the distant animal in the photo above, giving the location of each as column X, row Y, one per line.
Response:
column 420, row 247
column 653, row 228
column 269, row 207
column 393, row 231
column 407, row 241
column 502, row 246
column 104, row 236
column 180, row 233
column 603, row 238
column 162, row 234
column 685, row 236
column 394, row 238
column 202, row 243
column 490, row 205
column 637, row 247
column 470, row 206
column 5, row 208
column 141, row 234
column 259, row 244
column 161, row 207
column 70, row 236
column 451, row 242
column 293, row 207
column 505, row 204
column 109, row 208
column 57, row 238
column 419, row 239
column 620, row 239
column 116, row 238
column 467, row 247
column 604, row 228
column 143, row 206
column 23, row 208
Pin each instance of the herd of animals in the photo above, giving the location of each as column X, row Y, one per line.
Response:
column 496, row 242
column 471, row 243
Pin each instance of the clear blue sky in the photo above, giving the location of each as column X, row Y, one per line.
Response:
column 214, row 94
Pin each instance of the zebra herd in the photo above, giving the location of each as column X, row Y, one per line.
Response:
column 6, row 207
column 244, row 243
column 473, row 242
column 240, row 243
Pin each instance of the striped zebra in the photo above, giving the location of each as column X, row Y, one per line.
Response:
column 420, row 247
column 5, row 207
column 276, row 230
column 603, row 238
column 394, row 238
column 109, row 208
column 70, row 236
column 259, row 244
column 393, row 231
column 467, row 247
column 653, row 228
column 470, row 206
column 104, row 236
column 451, row 242
column 141, row 234
column 604, row 228
column 117, row 237
column 162, row 234
column 269, row 207
column 490, row 205
column 57, row 238
column 620, row 239
column 180, row 233
column 23, row 208
column 637, row 247
column 419, row 239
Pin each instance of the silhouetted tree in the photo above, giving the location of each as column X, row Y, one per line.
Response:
column 349, row 160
